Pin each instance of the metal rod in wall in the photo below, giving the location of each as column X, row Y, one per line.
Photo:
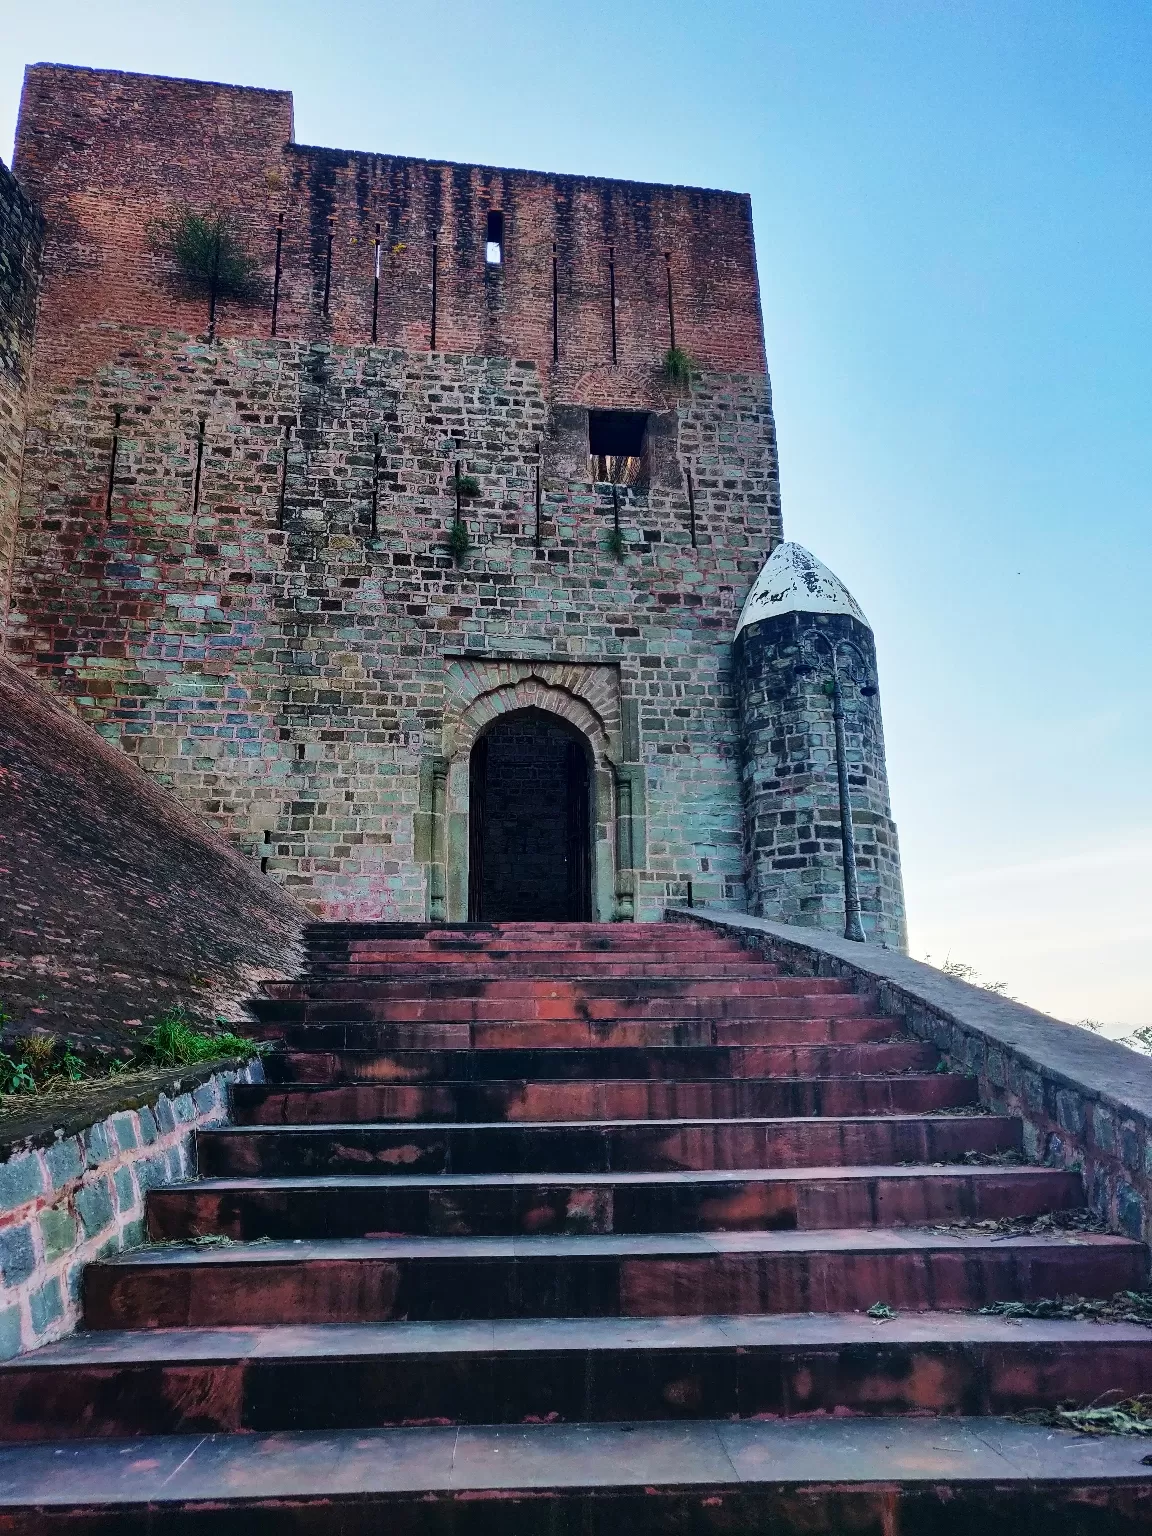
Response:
column 539, row 531
column 279, row 269
column 376, row 284
column 435, row 264
column 555, row 307
column 459, row 516
column 375, row 482
column 112, row 464
column 328, row 263
column 615, row 509
column 283, row 477
column 671, row 306
column 691, row 507
column 199, row 463
column 612, row 294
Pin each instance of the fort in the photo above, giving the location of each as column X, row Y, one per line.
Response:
column 401, row 659
column 230, row 554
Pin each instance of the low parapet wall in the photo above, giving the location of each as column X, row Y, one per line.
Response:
column 1085, row 1102
column 74, row 1178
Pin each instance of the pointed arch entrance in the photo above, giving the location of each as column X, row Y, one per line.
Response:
column 530, row 826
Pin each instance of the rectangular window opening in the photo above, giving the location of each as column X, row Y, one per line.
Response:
column 494, row 248
column 618, row 447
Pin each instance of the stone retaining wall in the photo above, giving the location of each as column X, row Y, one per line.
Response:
column 1086, row 1102
column 65, row 1200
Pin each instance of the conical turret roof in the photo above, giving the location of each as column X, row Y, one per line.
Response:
column 794, row 581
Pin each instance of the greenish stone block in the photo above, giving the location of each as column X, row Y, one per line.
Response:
column 57, row 1232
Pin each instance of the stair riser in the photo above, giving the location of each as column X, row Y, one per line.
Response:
column 684, row 1005
column 579, row 968
column 578, row 1033
column 596, row 1149
column 739, row 1206
column 575, row 1385
column 665, row 1064
column 336, row 1290
column 262, row 1104
column 552, row 989
column 919, row 1507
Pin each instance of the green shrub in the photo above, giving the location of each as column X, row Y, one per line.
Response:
column 458, row 541
column 616, row 544
column 209, row 254
column 175, row 1041
column 677, row 367
column 468, row 486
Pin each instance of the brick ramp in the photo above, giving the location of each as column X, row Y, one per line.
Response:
column 517, row 1237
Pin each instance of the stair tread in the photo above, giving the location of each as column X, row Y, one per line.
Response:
column 393, row 1127
column 303, row 1465
column 609, row 1245
column 784, row 1330
column 861, row 1173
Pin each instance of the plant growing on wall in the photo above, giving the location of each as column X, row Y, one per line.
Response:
column 458, row 541
column 616, row 543
column 210, row 256
column 677, row 367
column 469, row 487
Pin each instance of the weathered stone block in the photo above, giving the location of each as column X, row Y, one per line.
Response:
column 17, row 1253
column 57, row 1231
column 46, row 1306
column 21, row 1181
column 94, row 1206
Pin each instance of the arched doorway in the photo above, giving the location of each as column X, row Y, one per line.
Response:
column 530, row 822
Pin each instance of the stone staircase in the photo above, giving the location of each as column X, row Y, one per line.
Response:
column 575, row 1229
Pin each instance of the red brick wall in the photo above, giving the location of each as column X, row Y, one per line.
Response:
column 117, row 901
column 106, row 153
column 20, row 235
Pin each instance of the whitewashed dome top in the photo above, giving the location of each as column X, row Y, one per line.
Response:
column 794, row 581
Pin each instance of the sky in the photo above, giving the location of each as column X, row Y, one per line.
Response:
column 954, row 225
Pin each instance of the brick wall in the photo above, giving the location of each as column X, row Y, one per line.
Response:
column 116, row 902
column 106, row 153
column 81, row 1196
column 20, row 237
column 286, row 672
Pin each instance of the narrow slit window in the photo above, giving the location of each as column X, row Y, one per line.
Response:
column 618, row 446
column 494, row 248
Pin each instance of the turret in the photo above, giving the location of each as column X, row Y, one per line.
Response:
column 804, row 653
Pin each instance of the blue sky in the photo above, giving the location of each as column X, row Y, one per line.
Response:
column 954, row 227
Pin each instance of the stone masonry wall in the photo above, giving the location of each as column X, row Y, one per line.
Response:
column 81, row 1197
column 21, row 230
column 116, row 902
column 252, row 640
column 107, row 153
column 794, row 854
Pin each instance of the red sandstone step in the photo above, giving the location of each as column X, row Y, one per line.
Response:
column 530, row 1010
column 583, row 967
column 660, row 1062
column 319, row 1104
column 713, row 1478
column 336, row 1376
column 507, row 1205
column 584, row 1147
column 573, row 993
column 635, row 1275
column 577, row 1033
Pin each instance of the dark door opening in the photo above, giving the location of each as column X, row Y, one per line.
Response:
column 530, row 823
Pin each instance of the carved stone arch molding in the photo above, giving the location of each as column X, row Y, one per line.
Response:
column 585, row 695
